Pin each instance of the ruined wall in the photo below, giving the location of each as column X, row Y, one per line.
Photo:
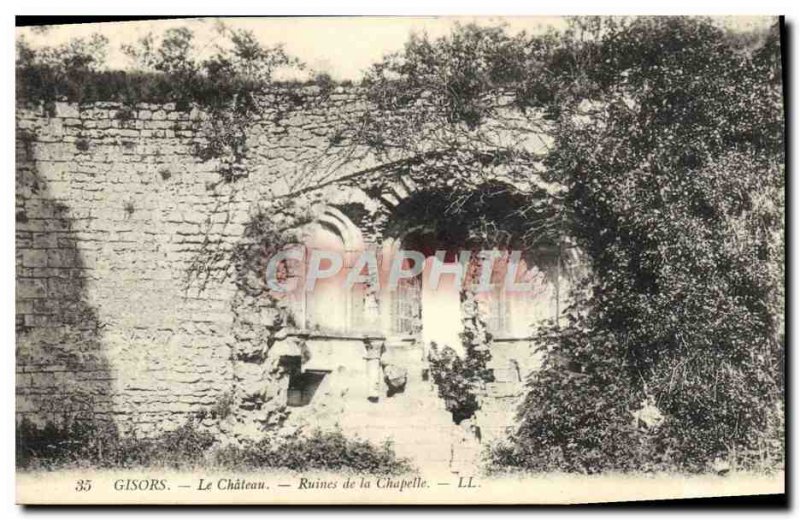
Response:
column 126, row 304
column 114, row 211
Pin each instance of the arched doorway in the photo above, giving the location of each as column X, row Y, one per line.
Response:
column 434, row 294
column 472, row 221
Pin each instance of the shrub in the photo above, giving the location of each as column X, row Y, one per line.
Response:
column 461, row 380
column 453, row 382
column 676, row 195
column 319, row 451
column 100, row 445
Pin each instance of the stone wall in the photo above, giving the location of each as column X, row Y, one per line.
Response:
column 126, row 304
column 118, row 304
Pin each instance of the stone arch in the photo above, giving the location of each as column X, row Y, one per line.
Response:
column 402, row 186
column 351, row 235
column 330, row 308
column 507, row 310
column 392, row 193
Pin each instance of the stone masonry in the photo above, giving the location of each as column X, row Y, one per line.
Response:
column 125, row 304
column 111, row 214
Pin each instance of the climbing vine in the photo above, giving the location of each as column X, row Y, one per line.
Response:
column 230, row 88
column 461, row 380
column 664, row 146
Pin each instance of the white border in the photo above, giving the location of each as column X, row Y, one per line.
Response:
column 308, row 7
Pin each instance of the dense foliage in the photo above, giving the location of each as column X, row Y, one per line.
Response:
column 675, row 176
column 667, row 140
column 88, row 444
column 167, row 68
column 459, row 380
column 91, row 444
column 317, row 451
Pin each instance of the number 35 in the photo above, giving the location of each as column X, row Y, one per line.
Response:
column 83, row 485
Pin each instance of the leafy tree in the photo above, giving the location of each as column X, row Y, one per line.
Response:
column 671, row 150
column 51, row 72
column 172, row 55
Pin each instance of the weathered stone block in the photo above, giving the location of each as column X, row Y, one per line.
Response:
column 67, row 110
column 34, row 258
column 31, row 288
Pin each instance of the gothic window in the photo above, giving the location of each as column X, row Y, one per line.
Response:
column 513, row 313
column 498, row 319
column 330, row 307
column 406, row 307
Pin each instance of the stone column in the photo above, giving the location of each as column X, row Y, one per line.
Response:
column 373, row 350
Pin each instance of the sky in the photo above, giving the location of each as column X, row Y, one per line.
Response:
column 343, row 47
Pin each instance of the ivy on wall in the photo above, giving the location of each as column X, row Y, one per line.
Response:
column 231, row 87
column 664, row 136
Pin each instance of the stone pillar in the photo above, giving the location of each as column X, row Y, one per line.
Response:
column 373, row 350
